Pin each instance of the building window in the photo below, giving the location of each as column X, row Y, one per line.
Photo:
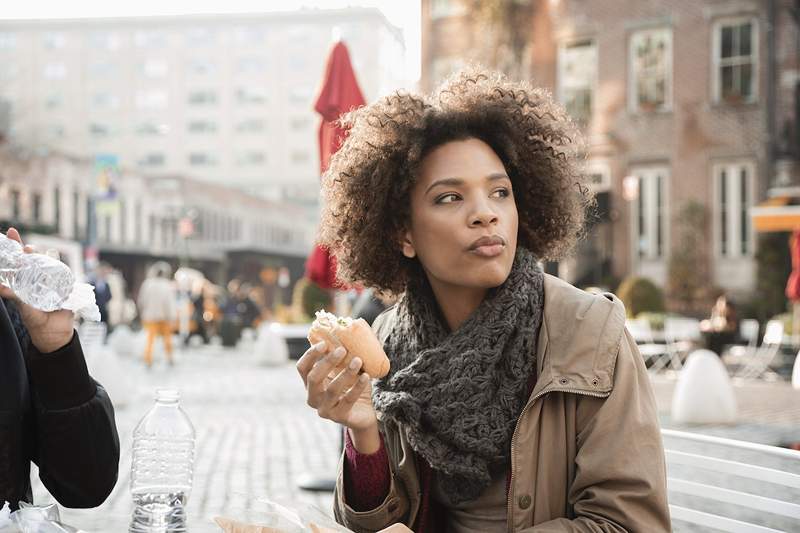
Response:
column 16, row 207
column 200, row 98
column 154, row 68
column 577, row 74
column 202, row 126
column 55, row 71
column 252, row 66
column 152, row 99
column 57, row 209
column 123, row 222
column 37, row 207
column 8, row 72
column 152, row 160
column 251, row 159
column 651, row 70
column 102, row 69
column 105, row 101
column 202, row 67
column 104, row 40
column 137, row 227
column 250, row 35
column 150, row 39
column 152, row 129
column 200, row 159
column 734, row 198
column 201, row 36
column 651, row 213
column 735, row 60
column 55, row 40
column 53, row 102
column 76, row 202
column 8, row 40
column 99, row 131
column 253, row 125
column 251, row 95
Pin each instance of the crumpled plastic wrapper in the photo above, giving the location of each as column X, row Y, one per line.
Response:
column 33, row 519
column 266, row 516
column 44, row 282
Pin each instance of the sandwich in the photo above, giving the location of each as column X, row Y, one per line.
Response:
column 356, row 337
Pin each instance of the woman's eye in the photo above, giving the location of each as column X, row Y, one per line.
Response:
column 447, row 198
column 501, row 193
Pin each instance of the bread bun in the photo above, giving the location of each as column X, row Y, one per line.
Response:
column 356, row 337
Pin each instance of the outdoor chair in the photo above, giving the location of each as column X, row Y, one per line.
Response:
column 748, row 332
column 756, row 364
column 640, row 330
column 727, row 485
column 682, row 335
column 92, row 334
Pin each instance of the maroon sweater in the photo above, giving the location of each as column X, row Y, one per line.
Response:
column 367, row 481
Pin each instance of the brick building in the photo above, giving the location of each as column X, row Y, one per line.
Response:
column 680, row 101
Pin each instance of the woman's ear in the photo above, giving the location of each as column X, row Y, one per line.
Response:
column 407, row 245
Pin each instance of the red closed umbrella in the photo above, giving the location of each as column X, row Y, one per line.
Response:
column 793, row 285
column 339, row 94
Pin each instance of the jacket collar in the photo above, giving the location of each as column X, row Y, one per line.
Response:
column 578, row 341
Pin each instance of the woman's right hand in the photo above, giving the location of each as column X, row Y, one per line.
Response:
column 345, row 398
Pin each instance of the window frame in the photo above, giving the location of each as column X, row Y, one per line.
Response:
column 716, row 51
column 735, row 209
column 560, row 62
column 633, row 91
column 648, row 197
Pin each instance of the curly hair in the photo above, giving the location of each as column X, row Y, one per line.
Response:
column 366, row 189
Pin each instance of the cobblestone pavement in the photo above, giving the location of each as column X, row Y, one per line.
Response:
column 256, row 436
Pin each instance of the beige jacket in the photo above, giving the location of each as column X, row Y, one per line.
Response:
column 157, row 300
column 586, row 454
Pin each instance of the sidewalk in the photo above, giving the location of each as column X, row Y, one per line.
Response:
column 769, row 413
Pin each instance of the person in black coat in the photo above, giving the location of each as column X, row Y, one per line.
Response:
column 51, row 411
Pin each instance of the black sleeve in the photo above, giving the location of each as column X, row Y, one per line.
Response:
column 77, row 446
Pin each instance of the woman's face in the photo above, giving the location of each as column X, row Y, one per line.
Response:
column 463, row 216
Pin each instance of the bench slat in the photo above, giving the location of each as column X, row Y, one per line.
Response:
column 718, row 522
column 751, row 501
column 777, row 477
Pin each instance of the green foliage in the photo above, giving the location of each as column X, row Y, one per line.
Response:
column 640, row 295
column 773, row 265
column 656, row 320
column 308, row 298
column 689, row 275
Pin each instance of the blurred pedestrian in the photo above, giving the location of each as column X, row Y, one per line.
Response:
column 51, row 410
column 158, row 309
column 102, row 291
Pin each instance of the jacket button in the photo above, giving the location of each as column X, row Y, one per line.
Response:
column 524, row 501
column 563, row 381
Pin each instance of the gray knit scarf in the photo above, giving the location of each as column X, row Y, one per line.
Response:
column 457, row 396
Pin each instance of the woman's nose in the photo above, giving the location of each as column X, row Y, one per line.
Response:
column 483, row 217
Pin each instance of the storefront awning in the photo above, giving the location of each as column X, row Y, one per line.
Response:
column 781, row 213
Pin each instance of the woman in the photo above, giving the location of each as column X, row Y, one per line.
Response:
column 515, row 401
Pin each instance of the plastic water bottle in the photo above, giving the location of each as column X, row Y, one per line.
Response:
column 161, row 473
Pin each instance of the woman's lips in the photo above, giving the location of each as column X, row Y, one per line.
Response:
column 490, row 250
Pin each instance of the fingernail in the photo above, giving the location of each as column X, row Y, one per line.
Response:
column 319, row 346
column 355, row 363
